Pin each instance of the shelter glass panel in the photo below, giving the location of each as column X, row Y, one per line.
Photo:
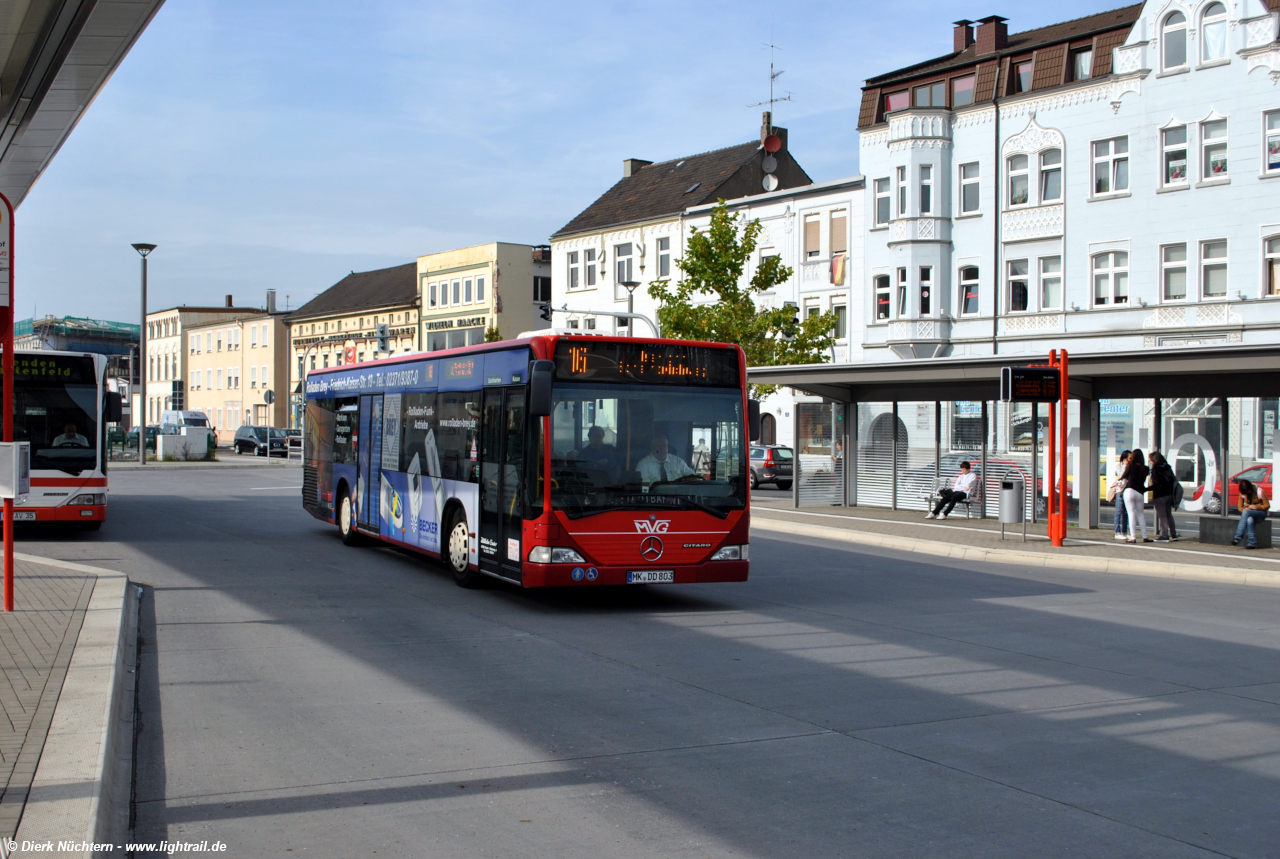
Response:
column 877, row 429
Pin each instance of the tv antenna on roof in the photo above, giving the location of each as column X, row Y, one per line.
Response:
column 773, row 76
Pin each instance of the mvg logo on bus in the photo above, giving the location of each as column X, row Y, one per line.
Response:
column 659, row 527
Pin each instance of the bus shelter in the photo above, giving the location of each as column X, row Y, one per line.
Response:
column 890, row 435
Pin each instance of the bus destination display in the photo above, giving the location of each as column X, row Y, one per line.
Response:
column 1029, row 384
column 646, row 363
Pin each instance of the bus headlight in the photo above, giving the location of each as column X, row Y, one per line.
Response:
column 548, row 555
column 89, row 498
column 730, row 553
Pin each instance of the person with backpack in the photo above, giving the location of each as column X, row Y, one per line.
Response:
column 1253, row 507
column 1162, row 486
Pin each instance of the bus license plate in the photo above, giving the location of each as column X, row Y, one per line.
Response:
column 651, row 577
column 24, row 515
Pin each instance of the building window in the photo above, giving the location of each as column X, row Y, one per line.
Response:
column 263, row 375
column 842, row 321
column 812, row 236
column 896, row 101
column 220, row 378
column 1174, row 36
column 969, row 290
column 664, row 256
column 219, row 340
column 253, row 377
column 882, row 202
column 882, row 296
column 902, row 192
column 1051, row 176
column 573, row 269
column 253, row 337
column 589, row 266
column 1019, row 293
column 541, row 288
column 969, row 188
column 1021, row 78
column 839, row 239
column 1175, row 155
column 622, row 262
column 1111, row 166
column 1213, row 140
column 479, row 289
column 932, row 95
column 926, row 189
column 589, row 323
column 902, row 292
column 1272, row 157
column 962, row 91
column 1173, row 272
column 1050, row 283
column 1111, row 278
column 926, row 290
column 457, row 293
column 1213, row 33
column 1081, row 65
column 208, row 374
column 466, row 291
column 1272, row 247
column 1213, row 268
column 1019, row 177
column 208, row 341
column 431, row 298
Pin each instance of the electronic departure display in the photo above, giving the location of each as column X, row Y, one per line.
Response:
column 1030, row 384
column 647, row 363
column 61, row 369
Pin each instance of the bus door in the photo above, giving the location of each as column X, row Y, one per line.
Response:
column 369, row 477
column 501, row 481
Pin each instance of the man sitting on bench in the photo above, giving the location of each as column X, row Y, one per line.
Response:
column 961, row 487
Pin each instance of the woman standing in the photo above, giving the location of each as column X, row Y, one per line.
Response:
column 1161, row 486
column 1135, row 495
column 1253, row 506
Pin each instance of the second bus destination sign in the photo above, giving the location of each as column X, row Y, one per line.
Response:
column 1030, row 384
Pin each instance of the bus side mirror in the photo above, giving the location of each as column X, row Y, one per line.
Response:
column 112, row 407
column 540, row 388
column 753, row 420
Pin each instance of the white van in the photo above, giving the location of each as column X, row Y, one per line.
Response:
column 171, row 422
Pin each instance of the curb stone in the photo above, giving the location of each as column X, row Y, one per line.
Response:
column 1123, row 566
column 81, row 789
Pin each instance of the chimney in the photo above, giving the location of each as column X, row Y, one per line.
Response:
column 962, row 35
column 271, row 301
column 766, row 125
column 993, row 35
column 631, row 166
column 230, row 303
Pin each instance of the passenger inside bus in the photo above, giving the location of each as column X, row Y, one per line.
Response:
column 660, row 466
column 597, row 454
column 70, row 438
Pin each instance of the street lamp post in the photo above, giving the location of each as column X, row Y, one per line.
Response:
column 143, row 249
column 631, row 295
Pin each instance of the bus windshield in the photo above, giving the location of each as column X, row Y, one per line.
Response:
column 620, row 446
column 55, row 407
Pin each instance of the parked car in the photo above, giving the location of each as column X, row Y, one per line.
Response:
column 1259, row 475
column 261, row 441
column 771, row 463
column 131, row 439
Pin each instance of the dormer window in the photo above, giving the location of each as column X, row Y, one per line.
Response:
column 1174, row 37
column 1213, row 33
column 962, row 91
column 896, row 101
column 1022, row 76
column 932, row 95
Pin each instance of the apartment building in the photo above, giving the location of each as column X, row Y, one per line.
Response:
column 495, row 287
column 235, row 366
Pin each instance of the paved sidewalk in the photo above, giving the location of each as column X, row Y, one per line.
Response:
column 1086, row 549
column 36, row 643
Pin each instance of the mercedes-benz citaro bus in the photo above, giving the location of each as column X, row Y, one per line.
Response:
column 551, row 460
column 62, row 407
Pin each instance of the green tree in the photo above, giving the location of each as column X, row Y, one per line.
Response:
column 712, row 301
column 492, row 334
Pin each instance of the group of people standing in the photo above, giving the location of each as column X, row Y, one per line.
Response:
column 1129, row 492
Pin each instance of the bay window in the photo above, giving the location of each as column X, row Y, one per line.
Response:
column 926, row 189
column 926, row 290
column 1051, row 176
column 1019, row 169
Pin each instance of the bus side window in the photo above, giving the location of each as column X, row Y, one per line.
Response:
column 419, row 411
column 458, row 435
column 343, row 414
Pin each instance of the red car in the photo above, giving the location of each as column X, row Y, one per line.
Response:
column 1259, row 475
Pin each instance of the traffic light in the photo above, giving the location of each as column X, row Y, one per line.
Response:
column 384, row 337
column 545, row 312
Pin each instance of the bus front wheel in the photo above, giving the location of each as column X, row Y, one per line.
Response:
column 458, row 553
column 346, row 521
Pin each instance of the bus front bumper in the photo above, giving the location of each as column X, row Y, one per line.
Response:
column 578, row 575
column 78, row 513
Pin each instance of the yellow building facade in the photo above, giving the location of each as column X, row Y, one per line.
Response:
column 464, row 293
column 232, row 364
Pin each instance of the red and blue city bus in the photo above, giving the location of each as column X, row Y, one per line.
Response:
column 553, row 460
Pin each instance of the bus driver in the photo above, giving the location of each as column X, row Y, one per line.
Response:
column 659, row 466
column 70, row 437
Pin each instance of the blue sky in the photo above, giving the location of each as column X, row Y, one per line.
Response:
column 283, row 144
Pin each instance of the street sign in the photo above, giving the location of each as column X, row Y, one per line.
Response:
column 1030, row 384
column 268, row 396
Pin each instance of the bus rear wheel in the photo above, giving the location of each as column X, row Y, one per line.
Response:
column 346, row 521
column 457, row 552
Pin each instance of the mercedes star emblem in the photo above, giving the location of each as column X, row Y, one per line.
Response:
column 651, row 548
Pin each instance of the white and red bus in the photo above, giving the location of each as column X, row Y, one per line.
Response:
column 552, row 460
column 62, row 407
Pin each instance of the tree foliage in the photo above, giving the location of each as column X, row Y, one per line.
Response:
column 713, row 302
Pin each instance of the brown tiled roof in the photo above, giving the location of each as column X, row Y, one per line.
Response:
column 1021, row 42
column 362, row 290
column 670, row 187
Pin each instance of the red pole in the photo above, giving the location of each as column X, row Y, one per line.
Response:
column 6, row 367
column 1063, row 494
column 1053, row 437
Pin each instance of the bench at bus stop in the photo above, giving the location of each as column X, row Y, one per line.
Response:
column 1220, row 530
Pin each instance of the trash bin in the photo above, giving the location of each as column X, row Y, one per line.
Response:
column 1012, row 504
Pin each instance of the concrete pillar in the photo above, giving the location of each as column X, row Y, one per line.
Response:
column 1090, row 441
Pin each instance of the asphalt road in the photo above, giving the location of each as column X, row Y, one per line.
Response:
column 299, row 697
